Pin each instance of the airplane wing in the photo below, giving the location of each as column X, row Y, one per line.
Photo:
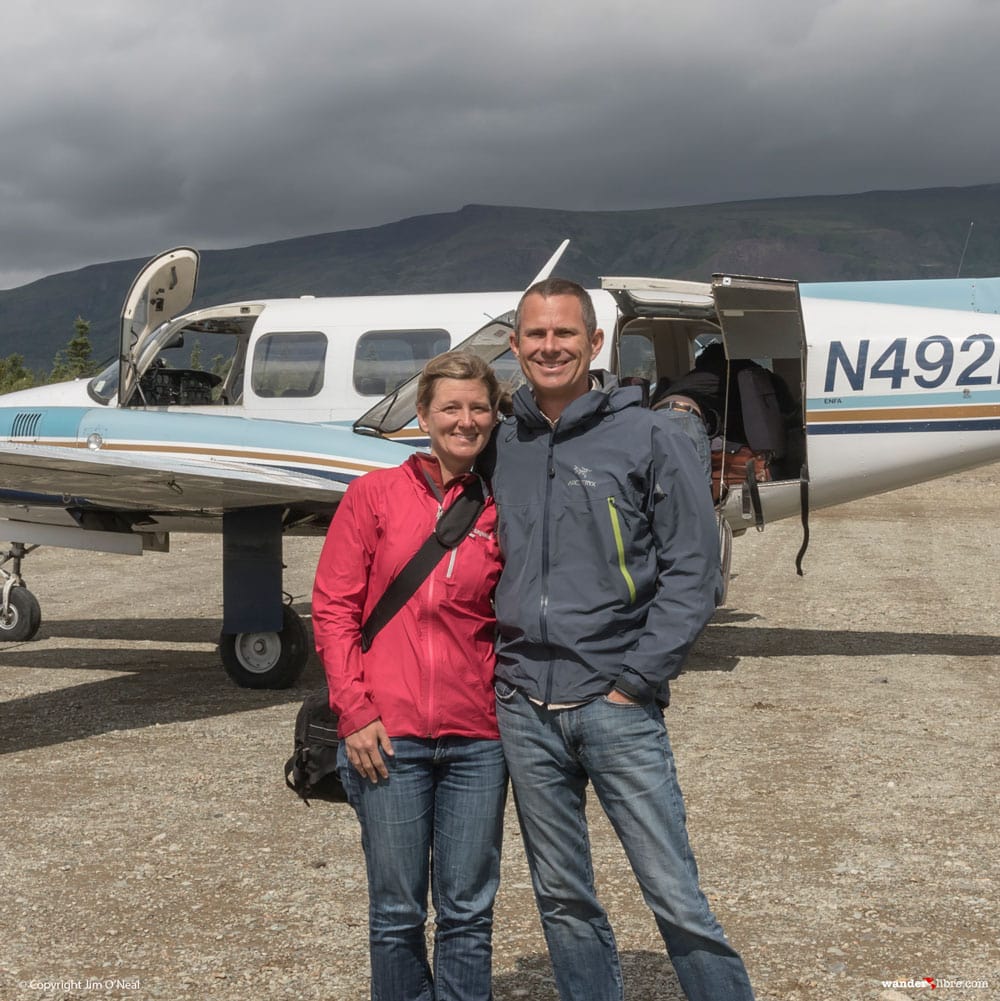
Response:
column 131, row 482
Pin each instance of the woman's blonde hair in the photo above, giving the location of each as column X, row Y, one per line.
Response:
column 457, row 365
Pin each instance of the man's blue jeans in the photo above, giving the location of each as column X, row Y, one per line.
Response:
column 438, row 821
column 623, row 750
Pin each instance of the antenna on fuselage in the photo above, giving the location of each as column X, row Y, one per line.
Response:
column 961, row 260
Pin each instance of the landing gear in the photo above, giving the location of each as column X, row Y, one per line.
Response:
column 20, row 613
column 20, row 616
column 267, row 660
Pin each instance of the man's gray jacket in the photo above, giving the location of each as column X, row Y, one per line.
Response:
column 610, row 545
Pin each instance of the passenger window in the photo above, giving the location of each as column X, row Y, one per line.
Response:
column 288, row 364
column 385, row 358
column 636, row 357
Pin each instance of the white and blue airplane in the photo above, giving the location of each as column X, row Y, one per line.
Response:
column 886, row 384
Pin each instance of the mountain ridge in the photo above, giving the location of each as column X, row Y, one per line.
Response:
column 874, row 235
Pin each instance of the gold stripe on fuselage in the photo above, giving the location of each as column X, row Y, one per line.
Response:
column 959, row 412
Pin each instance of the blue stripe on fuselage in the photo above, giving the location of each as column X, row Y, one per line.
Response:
column 122, row 427
column 903, row 427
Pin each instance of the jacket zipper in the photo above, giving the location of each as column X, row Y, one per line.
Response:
column 431, row 657
column 431, row 652
column 616, row 530
column 543, row 628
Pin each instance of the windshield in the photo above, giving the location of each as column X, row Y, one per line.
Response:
column 104, row 385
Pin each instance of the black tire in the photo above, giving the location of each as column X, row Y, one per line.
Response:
column 267, row 660
column 24, row 616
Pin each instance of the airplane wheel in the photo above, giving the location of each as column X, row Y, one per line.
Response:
column 267, row 660
column 725, row 556
column 24, row 616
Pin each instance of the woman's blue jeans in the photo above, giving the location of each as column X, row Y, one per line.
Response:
column 624, row 752
column 437, row 821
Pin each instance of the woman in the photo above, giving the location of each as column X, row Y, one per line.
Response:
column 420, row 753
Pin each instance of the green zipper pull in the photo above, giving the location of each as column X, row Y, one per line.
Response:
column 620, row 545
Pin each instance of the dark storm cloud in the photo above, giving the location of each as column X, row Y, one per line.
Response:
column 127, row 128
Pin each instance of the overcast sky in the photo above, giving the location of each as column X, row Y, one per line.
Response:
column 127, row 127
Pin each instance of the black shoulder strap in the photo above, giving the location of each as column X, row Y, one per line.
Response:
column 804, row 503
column 453, row 526
column 753, row 491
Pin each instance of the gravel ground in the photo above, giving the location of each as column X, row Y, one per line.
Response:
column 835, row 737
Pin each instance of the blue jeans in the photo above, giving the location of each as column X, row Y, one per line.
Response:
column 693, row 426
column 623, row 750
column 437, row 820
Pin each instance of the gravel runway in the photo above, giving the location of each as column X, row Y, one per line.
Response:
column 836, row 738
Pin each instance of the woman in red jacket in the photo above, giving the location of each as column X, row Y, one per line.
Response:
column 420, row 753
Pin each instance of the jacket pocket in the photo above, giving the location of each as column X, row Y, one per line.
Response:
column 503, row 691
column 616, row 532
column 470, row 571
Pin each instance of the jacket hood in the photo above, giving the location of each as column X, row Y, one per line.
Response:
column 608, row 398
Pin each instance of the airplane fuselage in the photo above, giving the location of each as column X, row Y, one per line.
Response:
column 240, row 416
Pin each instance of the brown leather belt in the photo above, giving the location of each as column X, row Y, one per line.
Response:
column 688, row 408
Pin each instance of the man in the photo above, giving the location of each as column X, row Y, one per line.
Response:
column 689, row 418
column 611, row 573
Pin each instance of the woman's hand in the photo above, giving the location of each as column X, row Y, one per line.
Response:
column 365, row 748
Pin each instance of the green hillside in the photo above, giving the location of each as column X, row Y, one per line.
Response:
column 875, row 235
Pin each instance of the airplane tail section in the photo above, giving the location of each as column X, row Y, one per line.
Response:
column 550, row 264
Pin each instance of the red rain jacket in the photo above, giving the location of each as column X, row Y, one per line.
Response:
column 429, row 672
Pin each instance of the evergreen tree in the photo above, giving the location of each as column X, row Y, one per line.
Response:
column 221, row 365
column 13, row 374
column 75, row 362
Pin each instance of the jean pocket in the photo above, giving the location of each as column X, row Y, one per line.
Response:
column 503, row 691
column 622, row 705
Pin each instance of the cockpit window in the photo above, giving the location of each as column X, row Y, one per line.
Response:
column 384, row 359
column 289, row 364
column 104, row 385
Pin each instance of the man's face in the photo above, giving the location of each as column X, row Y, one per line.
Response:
column 554, row 350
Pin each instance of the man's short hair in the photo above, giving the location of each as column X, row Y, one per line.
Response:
column 549, row 287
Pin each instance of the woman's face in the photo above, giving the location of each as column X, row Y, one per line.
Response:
column 459, row 420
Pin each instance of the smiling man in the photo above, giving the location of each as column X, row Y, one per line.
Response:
column 555, row 339
column 611, row 572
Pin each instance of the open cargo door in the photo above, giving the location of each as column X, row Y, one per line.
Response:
column 753, row 329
